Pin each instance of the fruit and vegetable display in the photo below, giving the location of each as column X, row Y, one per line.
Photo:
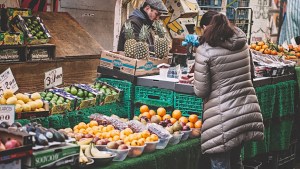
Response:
column 32, row 27
column 270, row 48
column 273, row 60
column 60, row 101
column 110, row 94
column 87, row 95
column 23, row 102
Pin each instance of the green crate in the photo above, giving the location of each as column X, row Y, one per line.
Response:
column 253, row 148
column 154, row 96
column 56, row 121
column 188, row 104
column 73, row 118
column 125, row 108
column 127, row 87
column 280, row 136
column 266, row 98
column 285, row 98
column 109, row 109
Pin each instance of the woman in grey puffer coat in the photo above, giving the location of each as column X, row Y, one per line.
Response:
column 223, row 79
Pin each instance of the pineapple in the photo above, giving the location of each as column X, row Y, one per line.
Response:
column 142, row 48
column 129, row 46
column 161, row 44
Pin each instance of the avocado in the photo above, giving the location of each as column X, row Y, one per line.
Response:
column 41, row 139
column 57, row 136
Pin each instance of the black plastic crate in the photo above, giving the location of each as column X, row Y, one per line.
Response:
column 41, row 52
column 15, row 53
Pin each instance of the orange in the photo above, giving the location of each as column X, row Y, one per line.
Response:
column 267, row 51
column 167, row 116
column 152, row 113
column 264, row 46
column 176, row 114
column 82, row 125
column 144, row 108
column 280, row 48
column 273, row 52
column 110, row 127
column 261, row 43
column 161, row 111
column 146, row 114
column 253, row 45
column 158, row 117
column 75, row 127
column 193, row 118
column 128, row 131
column 93, row 123
column 145, row 133
column 173, row 120
column 116, row 138
column 198, row 124
column 148, row 139
column 257, row 48
column 190, row 124
column 154, row 137
column 183, row 119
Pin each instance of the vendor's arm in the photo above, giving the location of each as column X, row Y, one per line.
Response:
column 202, row 84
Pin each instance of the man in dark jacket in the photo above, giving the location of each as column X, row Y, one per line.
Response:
column 149, row 11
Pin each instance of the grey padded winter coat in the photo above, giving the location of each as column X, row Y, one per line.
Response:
column 231, row 111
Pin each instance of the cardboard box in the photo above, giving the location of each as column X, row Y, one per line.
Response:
column 24, row 150
column 10, row 38
column 183, row 8
column 138, row 67
column 53, row 157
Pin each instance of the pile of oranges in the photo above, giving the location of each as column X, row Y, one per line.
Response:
column 192, row 121
column 293, row 52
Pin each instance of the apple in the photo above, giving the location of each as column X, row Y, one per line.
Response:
column 120, row 142
column 88, row 136
column 112, row 145
column 78, row 136
column 123, row 147
column 12, row 143
column 101, row 142
column 95, row 139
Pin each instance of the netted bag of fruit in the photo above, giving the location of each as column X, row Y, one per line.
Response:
column 136, row 126
column 100, row 118
column 160, row 131
column 117, row 123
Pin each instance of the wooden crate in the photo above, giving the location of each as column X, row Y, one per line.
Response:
column 40, row 52
column 14, row 53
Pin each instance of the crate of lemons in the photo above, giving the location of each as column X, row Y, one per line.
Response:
column 23, row 102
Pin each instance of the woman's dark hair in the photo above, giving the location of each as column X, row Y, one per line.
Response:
column 207, row 17
column 218, row 31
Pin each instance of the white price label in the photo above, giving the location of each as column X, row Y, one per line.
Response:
column 7, row 113
column 53, row 78
column 7, row 81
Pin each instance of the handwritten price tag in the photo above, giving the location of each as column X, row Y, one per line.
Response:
column 53, row 78
column 7, row 113
column 7, row 81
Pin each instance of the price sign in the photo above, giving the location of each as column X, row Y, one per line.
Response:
column 53, row 78
column 7, row 113
column 7, row 81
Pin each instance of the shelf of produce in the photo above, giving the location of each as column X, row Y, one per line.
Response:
column 183, row 155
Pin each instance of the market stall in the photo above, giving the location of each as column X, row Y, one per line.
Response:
column 141, row 113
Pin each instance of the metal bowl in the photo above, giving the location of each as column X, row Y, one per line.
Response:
column 86, row 165
column 104, row 161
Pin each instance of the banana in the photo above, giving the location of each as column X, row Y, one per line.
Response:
column 84, row 147
column 82, row 157
column 87, row 151
column 85, row 141
column 98, row 154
